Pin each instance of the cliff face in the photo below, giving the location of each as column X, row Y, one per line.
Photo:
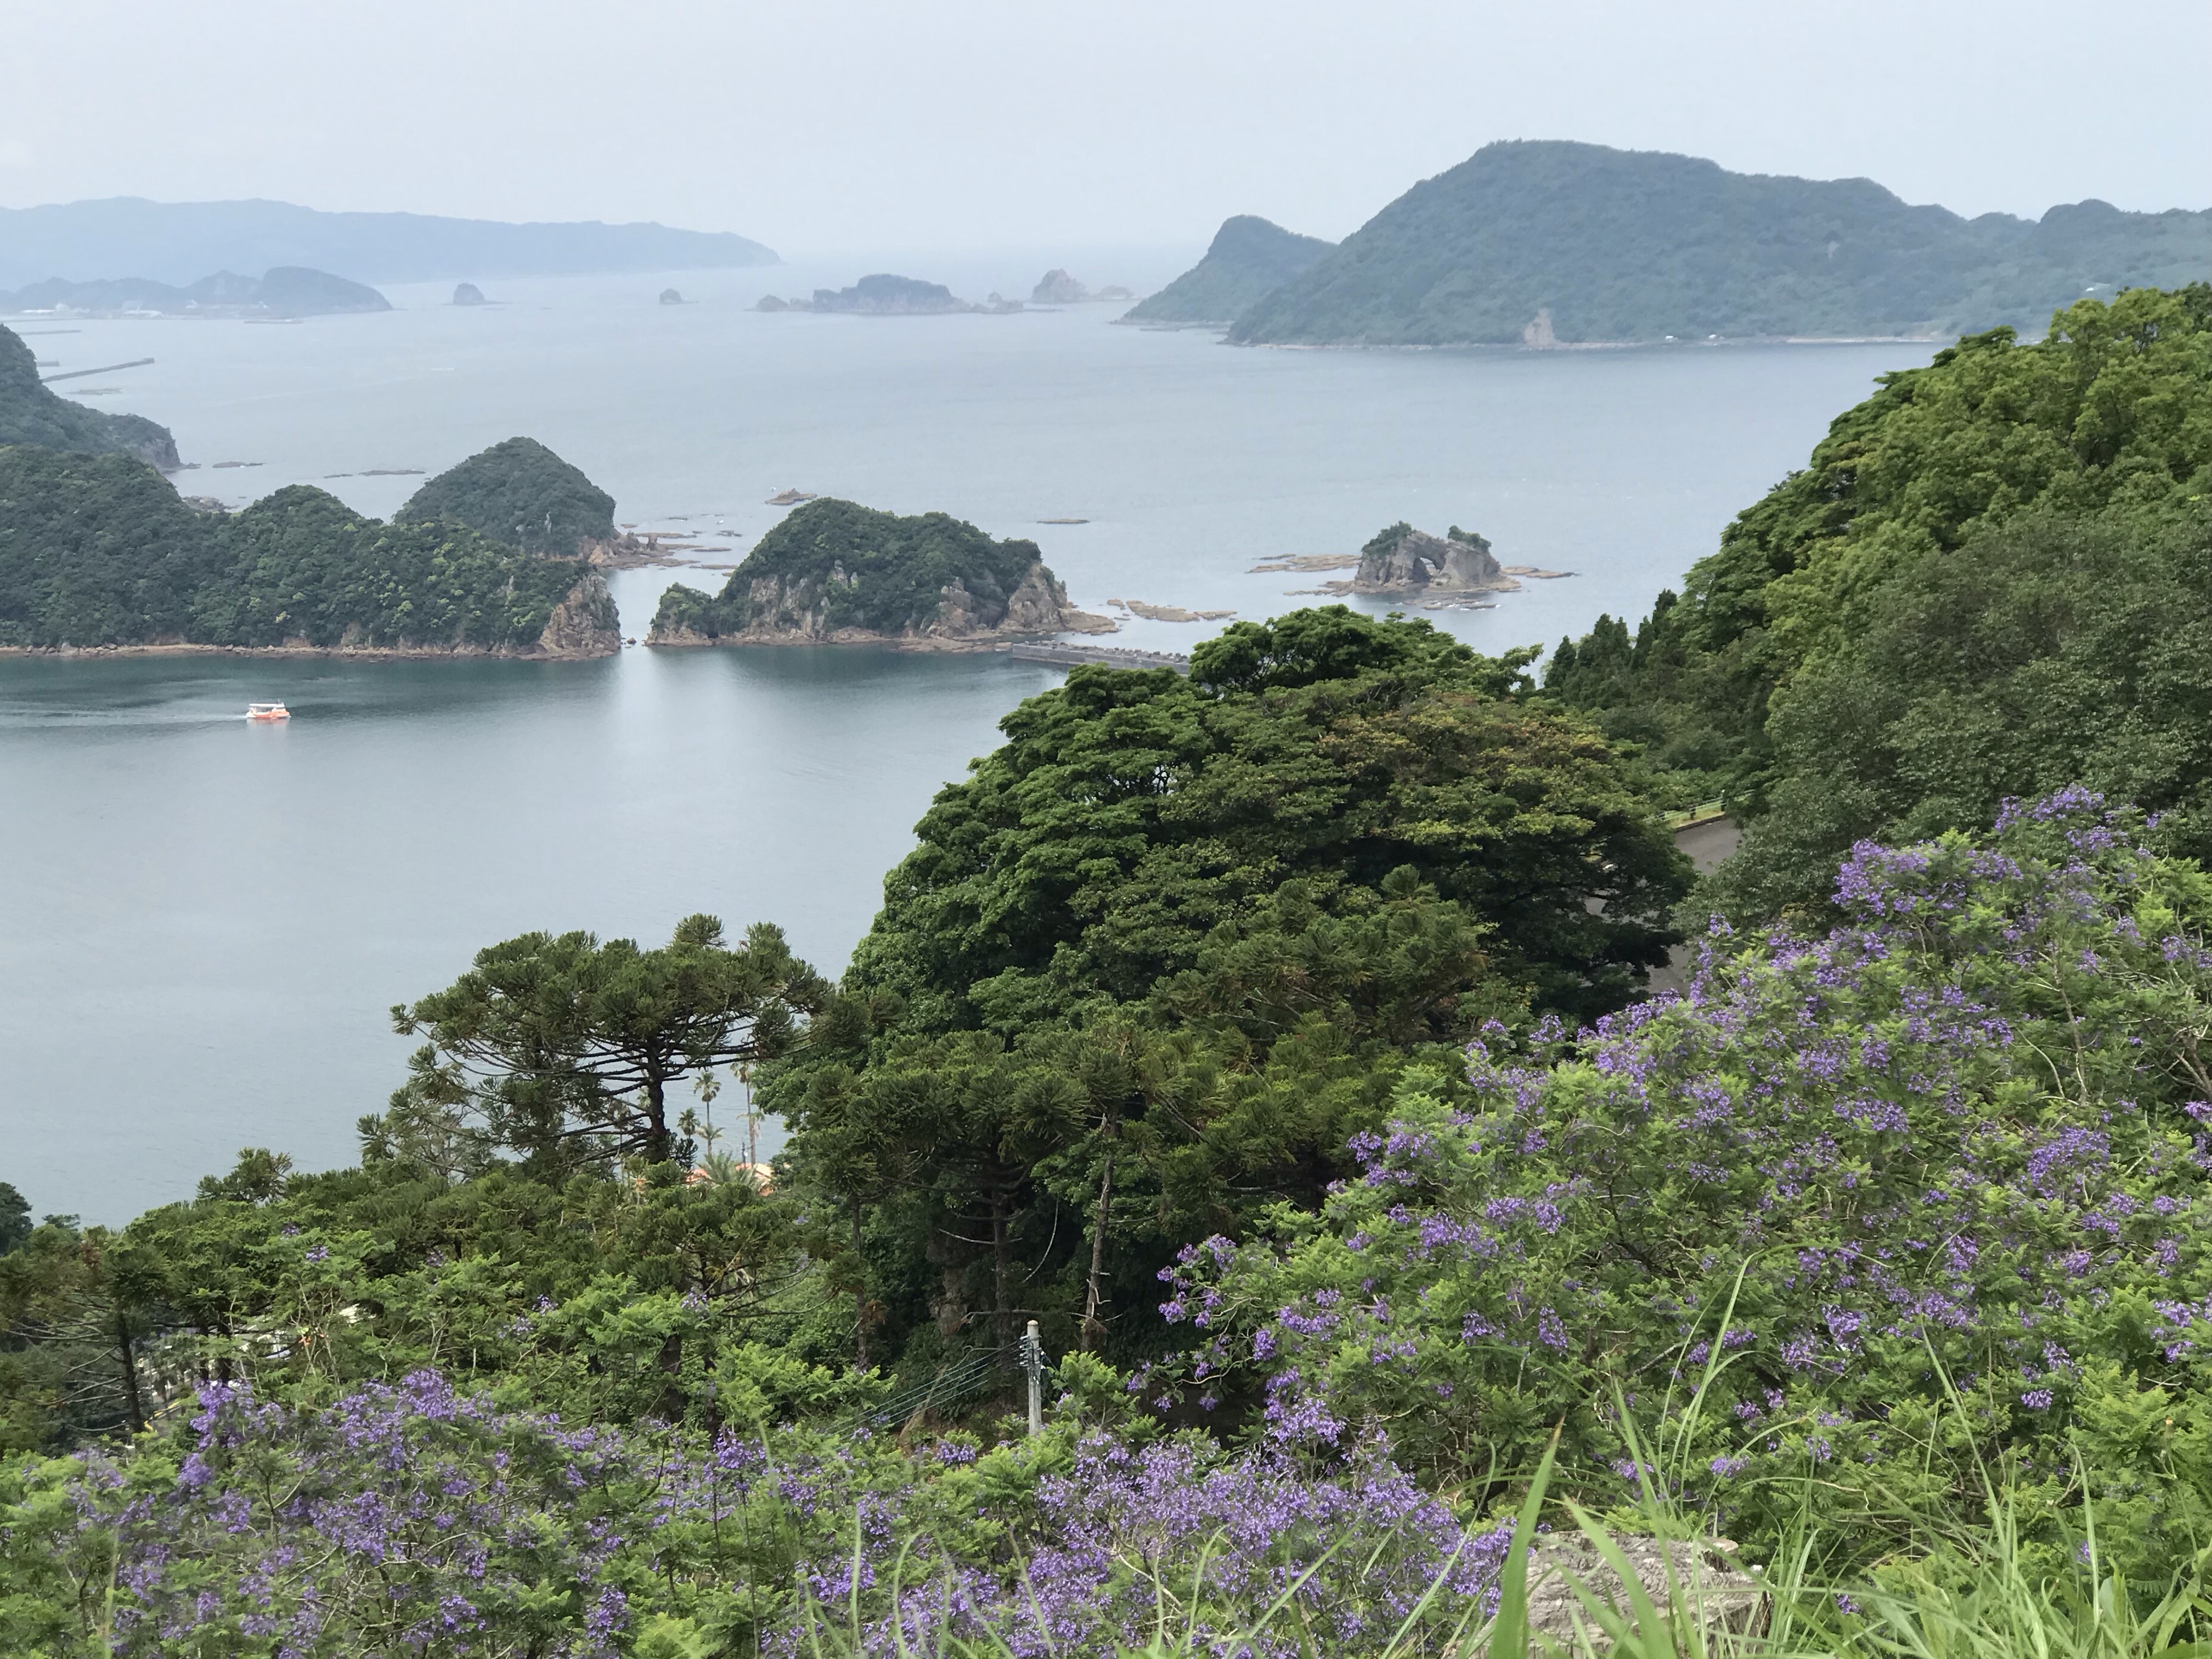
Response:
column 835, row 572
column 809, row 608
column 1402, row 559
column 34, row 414
column 585, row 624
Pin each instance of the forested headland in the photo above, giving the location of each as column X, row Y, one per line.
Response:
column 99, row 551
column 31, row 413
column 1278, row 1039
column 1550, row 243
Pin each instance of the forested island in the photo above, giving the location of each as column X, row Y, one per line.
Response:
column 834, row 571
column 885, row 294
column 99, row 551
column 31, row 413
column 1278, row 1039
column 1555, row 244
column 283, row 291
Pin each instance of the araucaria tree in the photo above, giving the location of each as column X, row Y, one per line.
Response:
column 552, row 1043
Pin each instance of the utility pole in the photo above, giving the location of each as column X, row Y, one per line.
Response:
column 1033, row 1363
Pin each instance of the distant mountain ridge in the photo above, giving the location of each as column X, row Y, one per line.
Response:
column 1554, row 243
column 176, row 242
column 1249, row 258
column 286, row 291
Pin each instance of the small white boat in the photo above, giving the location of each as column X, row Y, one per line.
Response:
column 267, row 711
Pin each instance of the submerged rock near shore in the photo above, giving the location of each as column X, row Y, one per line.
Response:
column 837, row 572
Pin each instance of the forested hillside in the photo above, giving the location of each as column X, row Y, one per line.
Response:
column 1249, row 259
column 1991, row 581
column 1538, row 242
column 32, row 414
column 520, row 492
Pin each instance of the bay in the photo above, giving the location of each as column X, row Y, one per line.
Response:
column 203, row 924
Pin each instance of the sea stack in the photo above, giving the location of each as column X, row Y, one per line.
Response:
column 468, row 294
column 1402, row 559
column 1057, row 287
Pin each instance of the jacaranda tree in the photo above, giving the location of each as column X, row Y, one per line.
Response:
column 1916, row 1200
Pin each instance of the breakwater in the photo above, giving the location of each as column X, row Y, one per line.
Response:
column 1113, row 656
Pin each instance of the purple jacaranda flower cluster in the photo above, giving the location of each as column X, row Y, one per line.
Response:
column 405, row 1518
column 1128, row 1536
column 412, row 1519
column 1853, row 1190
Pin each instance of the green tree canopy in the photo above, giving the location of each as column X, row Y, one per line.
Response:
column 1130, row 813
column 561, row 1041
column 100, row 550
column 1983, row 586
column 520, row 494
column 15, row 1217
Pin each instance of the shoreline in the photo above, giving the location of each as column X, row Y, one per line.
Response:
column 1593, row 345
column 374, row 652
column 977, row 646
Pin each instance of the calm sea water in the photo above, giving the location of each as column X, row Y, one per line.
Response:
column 203, row 924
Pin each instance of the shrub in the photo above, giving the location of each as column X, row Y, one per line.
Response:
column 1958, row 1144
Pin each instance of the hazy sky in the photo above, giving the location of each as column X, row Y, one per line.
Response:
column 820, row 125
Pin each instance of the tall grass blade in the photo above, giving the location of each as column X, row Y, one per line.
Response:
column 1508, row 1629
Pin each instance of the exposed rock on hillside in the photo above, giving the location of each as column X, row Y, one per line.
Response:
column 468, row 294
column 835, row 572
column 34, row 414
column 583, row 624
column 1249, row 258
